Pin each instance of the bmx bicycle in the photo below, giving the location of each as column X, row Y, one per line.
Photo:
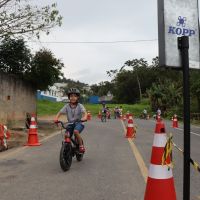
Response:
column 69, row 148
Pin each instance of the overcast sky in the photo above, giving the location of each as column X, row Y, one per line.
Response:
column 106, row 21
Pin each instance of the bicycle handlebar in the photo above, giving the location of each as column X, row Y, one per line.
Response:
column 68, row 123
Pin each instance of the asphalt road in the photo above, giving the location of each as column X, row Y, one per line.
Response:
column 109, row 170
column 144, row 141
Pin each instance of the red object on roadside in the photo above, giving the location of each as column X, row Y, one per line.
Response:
column 4, row 135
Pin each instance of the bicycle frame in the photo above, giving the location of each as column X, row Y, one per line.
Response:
column 68, row 137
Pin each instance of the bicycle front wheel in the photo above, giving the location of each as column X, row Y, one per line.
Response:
column 65, row 156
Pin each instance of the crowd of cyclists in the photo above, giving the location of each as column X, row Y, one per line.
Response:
column 118, row 112
column 106, row 111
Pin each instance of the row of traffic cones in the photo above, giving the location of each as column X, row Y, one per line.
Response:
column 160, row 182
column 32, row 134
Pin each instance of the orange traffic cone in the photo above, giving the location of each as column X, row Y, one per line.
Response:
column 88, row 115
column 32, row 134
column 174, row 121
column 158, row 118
column 99, row 115
column 124, row 118
column 130, row 128
column 160, row 182
column 160, row 126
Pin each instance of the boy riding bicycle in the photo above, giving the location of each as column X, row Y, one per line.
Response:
column 75, row 113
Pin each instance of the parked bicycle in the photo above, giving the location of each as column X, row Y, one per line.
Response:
column 69, row 148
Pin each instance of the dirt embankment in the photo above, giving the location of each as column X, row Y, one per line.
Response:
column 19, row 135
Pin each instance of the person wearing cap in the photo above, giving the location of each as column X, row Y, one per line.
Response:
column 75, row 113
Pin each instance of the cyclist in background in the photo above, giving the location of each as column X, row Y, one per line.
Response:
column 103, row 110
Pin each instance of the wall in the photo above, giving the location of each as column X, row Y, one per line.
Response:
column 16, row 99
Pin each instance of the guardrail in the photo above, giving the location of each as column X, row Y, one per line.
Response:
column 195, row 116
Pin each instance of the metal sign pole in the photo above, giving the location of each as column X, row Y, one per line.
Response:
column 183, row 45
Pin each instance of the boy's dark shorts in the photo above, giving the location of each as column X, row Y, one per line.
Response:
column 76, row 127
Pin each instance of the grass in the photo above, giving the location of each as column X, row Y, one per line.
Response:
column 45, row 107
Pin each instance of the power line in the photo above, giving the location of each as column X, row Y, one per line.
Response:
column 94, row 42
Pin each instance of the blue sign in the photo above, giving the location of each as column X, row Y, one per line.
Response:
column 180, row 29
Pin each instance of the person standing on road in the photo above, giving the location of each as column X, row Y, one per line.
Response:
column 116, row 112
column 144, row 114
column 75, row 113
column 120, row 111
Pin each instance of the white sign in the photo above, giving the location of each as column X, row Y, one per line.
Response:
column 178, row 18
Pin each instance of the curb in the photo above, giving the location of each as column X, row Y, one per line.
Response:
column 13, row 151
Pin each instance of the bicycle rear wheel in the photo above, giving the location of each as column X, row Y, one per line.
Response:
column 65, row 156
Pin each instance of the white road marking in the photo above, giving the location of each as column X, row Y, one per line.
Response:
column 180, row 129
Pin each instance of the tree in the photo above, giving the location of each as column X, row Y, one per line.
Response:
column 195, row 86
column 165, row 95
column 15, row 57
column 45, row 69
column 125, row 87
column 18, row 17
column 102, row 88
column 135, row 64
column 42, row 69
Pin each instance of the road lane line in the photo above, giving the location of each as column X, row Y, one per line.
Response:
column 139, row 159
column 19, row 149
column 190, row 132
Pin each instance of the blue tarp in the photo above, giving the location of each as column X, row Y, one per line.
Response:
column 94, row 99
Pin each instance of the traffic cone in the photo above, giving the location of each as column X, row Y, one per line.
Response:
column 88, row 115
column 160, row 182
column 160, row 126
column 32, row 134
column 174, row 121
column 130, row 128
column 158, row 118
column 99, row 115
column 124, row 118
